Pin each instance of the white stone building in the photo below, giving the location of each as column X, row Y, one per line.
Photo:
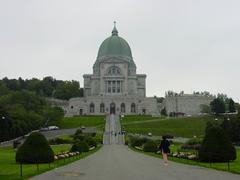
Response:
column 114, row 86
column 187, row 104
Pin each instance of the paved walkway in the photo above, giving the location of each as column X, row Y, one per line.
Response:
column 115, row 161
column 112, row 134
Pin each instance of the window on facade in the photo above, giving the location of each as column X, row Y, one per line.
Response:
column 118, row 86
column 122, row 108
column 113, row 70
column 102, row 107
column 114, row 86
column 91, row 108
column 133, row 108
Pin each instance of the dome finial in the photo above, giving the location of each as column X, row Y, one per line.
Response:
column 114, row 31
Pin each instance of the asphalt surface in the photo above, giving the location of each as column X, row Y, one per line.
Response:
column 112, row 134
column 116, row 161
column 53, row 134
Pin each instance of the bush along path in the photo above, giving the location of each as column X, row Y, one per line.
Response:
column 214, row 151
column 35, row 156
column 118, row 162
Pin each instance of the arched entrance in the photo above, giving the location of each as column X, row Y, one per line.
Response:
column 81, row 112
column 112, row 108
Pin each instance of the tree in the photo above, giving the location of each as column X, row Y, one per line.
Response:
column 216, row 146
column 164, row 112
column 231, row 106
column 35, row 150
column 67, row 90
column 3, row 89
column 232, row 127
column 53, row 114
column 25, row 111
column 5, row 125
column 47, row 86
column 217, row 106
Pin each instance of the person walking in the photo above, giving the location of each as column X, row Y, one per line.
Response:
column 164, row 148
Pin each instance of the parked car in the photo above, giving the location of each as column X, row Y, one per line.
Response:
column 49, row 128
column 53, row 128
column 83, row 127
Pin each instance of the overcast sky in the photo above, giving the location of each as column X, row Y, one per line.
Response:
column 190, row 45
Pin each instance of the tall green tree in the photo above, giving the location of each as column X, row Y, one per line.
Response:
column 5, row 124
column 216, row 146
column 68, row 90
column 217, row 106
column 231, row 106
column 35, row 150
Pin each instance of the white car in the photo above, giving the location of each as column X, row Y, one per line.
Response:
column 83, row 127
column 53, row 128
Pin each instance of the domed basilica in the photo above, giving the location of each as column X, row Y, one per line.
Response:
column 114, row 86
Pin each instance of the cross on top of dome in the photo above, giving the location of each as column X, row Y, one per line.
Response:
column 114, row 31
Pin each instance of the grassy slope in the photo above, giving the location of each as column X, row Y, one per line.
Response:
column 134, row 118
column 182, row 127
column 10, row 170
column 78, row 121
column 234, row 166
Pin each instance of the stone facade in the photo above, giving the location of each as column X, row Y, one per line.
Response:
column 100, row 105
column 189, row 104
column 114, row 86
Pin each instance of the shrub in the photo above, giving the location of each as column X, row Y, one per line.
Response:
column 98, row 138
column 216, row 146
column 150, row 146
column 194, row 141
column 191, row 147
column 136, row 141
column 80, row 146
column 79, row 131
column 60, row 141
column 91, row 142
column 35, row 150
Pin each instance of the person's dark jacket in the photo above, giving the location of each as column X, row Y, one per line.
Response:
column 164, row 146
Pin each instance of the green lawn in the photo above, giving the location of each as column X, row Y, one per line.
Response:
column 78, row 121
column 234, row 166
column 9, row 169
column 179, row 127
column 136, row 118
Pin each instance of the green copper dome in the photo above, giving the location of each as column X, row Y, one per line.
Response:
column 115, row 46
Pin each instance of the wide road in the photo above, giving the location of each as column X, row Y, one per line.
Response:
column 117, row 162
